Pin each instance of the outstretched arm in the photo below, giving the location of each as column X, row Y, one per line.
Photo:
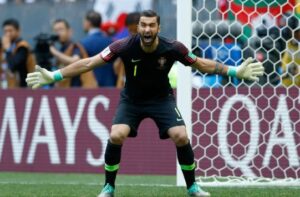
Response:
column 210, row 66
column 43, row 77
column 247, row 70
column 82, row 66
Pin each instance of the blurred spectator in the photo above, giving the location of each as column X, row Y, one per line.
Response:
column 68, row 53
column 130, row 28
column 267, row 47
column 94, row 43
column 17, row 1
column 217, row 40
column 120, row 22
column 109, row 28
column 16, row 58
column 132, row 21
column 291, row 57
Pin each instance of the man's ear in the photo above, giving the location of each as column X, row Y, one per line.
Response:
column 159, row 29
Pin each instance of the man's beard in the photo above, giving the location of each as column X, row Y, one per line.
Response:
column 149, row 39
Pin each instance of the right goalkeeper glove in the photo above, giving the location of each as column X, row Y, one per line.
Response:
column 42, row 77
column 247, row 70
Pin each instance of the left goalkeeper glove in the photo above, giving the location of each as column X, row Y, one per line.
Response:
column 247, row 70
column 41, row 77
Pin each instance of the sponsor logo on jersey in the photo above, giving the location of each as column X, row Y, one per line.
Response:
column 135, row 60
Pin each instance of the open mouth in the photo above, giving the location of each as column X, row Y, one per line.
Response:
column 148, row 38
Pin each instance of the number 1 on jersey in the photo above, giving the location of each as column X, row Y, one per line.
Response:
column 134, row 72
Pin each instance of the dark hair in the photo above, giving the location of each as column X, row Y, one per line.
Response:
column 12, row 22
column 132, row 18
column 94, row 18
column 64, row 21
column 151, row 13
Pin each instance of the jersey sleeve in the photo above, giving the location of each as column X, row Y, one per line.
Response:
column 114, row 50
column 183, row 55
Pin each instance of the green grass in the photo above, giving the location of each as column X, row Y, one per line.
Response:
column 88, row 185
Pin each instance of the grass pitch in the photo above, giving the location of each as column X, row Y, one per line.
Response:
column 89, row 185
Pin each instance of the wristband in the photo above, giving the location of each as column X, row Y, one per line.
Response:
column 231, row 71
column 57, row 75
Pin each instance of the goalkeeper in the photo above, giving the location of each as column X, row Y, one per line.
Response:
column 147, row 58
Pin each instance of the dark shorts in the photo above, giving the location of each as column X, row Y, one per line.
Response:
column 163, row 111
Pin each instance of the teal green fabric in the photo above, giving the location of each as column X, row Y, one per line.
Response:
column 231, row 71
column 57, row 75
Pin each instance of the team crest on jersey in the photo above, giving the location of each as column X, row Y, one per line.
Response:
column 162, row 61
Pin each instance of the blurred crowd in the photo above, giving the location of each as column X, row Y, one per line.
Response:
column 277, row 46
column 31, row 1
column 58, row 49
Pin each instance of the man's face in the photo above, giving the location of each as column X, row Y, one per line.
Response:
column 62, row 31
column 11, row 32
column 86, row 25
column 148, row 28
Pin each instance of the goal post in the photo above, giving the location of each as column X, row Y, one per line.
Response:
column 184, row 79
column 242, row 133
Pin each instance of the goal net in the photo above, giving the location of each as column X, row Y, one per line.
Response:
column 243, row 132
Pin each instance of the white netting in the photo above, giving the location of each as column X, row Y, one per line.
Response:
column 244, row 131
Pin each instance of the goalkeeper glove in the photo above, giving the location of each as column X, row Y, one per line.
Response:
column 247, row 70
column 42, row 77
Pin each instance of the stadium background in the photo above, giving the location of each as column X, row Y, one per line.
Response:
column 58, row 130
